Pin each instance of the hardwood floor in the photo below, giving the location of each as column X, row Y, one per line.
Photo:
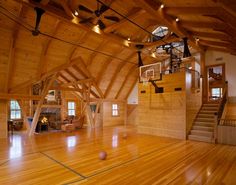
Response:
column 72, row 158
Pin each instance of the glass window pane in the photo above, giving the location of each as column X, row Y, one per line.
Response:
column 115, row 113
column 114, row 106
column 18, row 115
column 12, row 114
column 17, row 105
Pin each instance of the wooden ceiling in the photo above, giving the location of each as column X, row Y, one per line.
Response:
column 71, row 47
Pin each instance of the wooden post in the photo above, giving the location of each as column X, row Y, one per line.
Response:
column 215, row 127
column 204, row 78
column 125, row 114
column 96, row 116
column 40, row 103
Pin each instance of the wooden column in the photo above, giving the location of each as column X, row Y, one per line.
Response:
column 3, row 118
column 204, row 77
column 40, row 103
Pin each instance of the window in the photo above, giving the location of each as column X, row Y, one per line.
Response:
column 115, row 110
column 15, row 111
column 71, row 108
column 216, row 93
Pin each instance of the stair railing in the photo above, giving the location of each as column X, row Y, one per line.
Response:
column 220, row 110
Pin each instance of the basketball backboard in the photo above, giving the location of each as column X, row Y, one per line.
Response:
column 150, row 72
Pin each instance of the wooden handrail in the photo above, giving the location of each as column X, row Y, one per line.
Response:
column 227, row 122
column 219, row 112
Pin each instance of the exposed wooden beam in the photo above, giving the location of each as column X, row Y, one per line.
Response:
column 40, row 103
column 81, row 81
column 38, row 78
column 90, row 76
column 228, row 6
column 66, row 89
column 75, row 22
column 215, row 43
column 154, row 10
column 192, row 10
column 66, row 8
column 220, row 36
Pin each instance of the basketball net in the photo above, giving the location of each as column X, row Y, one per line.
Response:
column 145, row 80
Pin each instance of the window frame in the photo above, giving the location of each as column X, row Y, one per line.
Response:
column 15, row 110
column 115, row 109
column 71, row 109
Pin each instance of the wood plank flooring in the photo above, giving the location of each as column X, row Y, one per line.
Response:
column 72, row 158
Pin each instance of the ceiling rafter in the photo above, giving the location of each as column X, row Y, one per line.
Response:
column 75, row 22
column 158, row 13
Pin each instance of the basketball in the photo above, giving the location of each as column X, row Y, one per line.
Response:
column 102, row 155
column 125, row 136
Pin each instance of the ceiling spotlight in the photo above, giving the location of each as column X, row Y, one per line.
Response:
column 162, row 6
column 76, row 13
column 128, row 39
column 177, row 19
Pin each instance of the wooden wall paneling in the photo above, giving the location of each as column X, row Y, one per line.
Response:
column 132, row 70
column 3, row 118
column 163, row 114
column 36, row 79
column 93, row 55
column 25, row 112
column 11, row 62
column 193, row 102
column 105, row 66
column 116, row 74
column 226, row 135
column 7, row 96
column 40, row 103
column 43, row 62
column 108, row 119
column 73, row 49
column 131, row 88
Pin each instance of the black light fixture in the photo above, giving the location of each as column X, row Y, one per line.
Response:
column 186, row 49
column 140, row 62
column 39, row 13
column 139, row 47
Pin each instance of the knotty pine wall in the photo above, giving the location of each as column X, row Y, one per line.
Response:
column 167, row 114
column 68, row 96
column 108, row 119
column 193, row 101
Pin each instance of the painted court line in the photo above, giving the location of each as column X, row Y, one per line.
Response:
column 58, row 162
column 121, row 164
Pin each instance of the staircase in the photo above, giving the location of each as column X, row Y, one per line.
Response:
column 203, row 126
